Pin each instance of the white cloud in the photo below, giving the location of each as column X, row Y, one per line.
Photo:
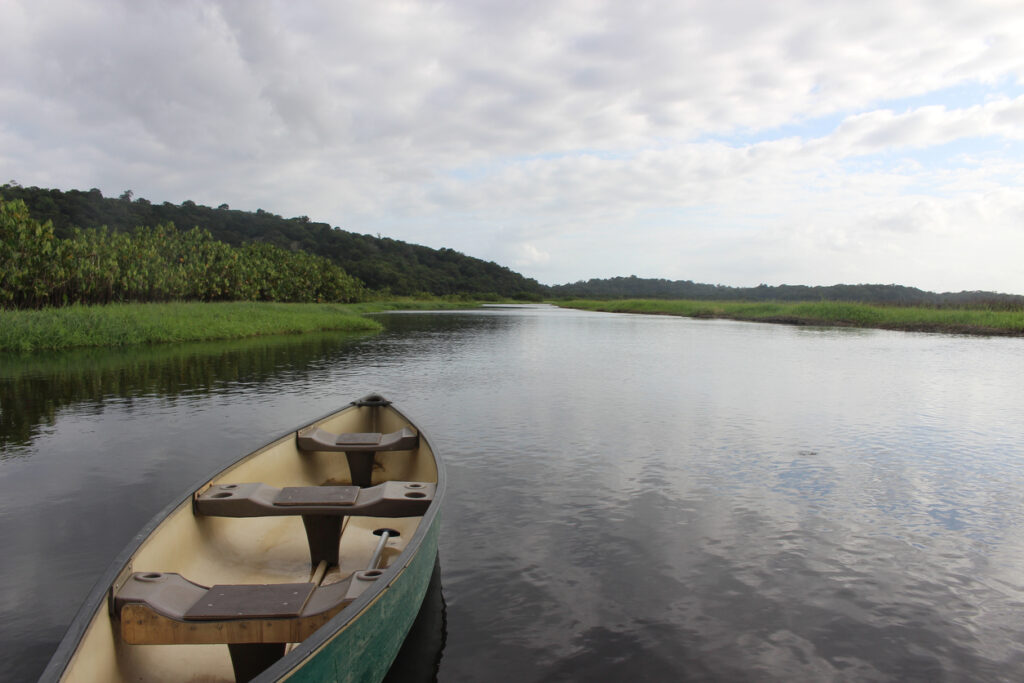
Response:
column 884, row 130
column 570, row 139
column 526, row 255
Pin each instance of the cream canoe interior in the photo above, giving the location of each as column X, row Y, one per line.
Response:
column 207, row 550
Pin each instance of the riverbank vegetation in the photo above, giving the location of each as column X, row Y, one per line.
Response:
column 388, row 267
column 156, row 323
column 382, row 264
column 98, row 266
column 958, row 320
column 884, row 295
column 128, row 324
column 77, row 249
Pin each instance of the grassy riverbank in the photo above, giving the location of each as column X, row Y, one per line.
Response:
column 126, row 324
column 834, row 313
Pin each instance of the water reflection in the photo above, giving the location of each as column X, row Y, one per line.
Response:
column 34, row 387
column 419, row 660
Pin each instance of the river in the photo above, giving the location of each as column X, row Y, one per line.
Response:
column 630, row 497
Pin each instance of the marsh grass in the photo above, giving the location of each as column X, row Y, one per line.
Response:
column 128, row 324
column 414, row 304
column 982, row 321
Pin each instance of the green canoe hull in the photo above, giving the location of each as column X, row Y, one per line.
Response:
column 365, row 649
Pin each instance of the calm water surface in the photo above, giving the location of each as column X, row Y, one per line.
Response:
column 631, row 497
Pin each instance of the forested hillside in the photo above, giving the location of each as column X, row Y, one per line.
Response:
column 383, row 264
column 647, row 288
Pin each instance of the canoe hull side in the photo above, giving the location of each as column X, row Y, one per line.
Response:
column 365, row 650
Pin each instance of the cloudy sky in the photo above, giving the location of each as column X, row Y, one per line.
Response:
column 727, row 141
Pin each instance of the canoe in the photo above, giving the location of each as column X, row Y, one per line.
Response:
column 307, row 559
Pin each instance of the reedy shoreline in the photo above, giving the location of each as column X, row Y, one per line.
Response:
column 974, row 321
column 129, row 324
column 115, row 325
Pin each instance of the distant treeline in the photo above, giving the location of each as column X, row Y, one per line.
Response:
column 646, row 288
column 383, row 264
column 98, row 265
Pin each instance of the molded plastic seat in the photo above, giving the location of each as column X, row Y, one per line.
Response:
column 317, row 439
column 322, row 507
column 159, row 608
column 390, row 499
column 359, row 448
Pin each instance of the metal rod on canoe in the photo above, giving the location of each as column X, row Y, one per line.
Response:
column 318, row 573
column 384, row 536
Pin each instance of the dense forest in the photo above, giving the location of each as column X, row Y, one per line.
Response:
column 383, row 264
column 98, row 266
column 647, row 288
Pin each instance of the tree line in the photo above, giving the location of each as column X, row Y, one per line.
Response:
column 161, row 263
column 898, row 295
column 384, row 265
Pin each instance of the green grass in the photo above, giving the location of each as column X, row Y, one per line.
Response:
column 950, row 320
column 127, row 324
column 414, row 304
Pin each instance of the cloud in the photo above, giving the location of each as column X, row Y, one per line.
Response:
column 884, row 130
column 527, row 255
column 569, row 139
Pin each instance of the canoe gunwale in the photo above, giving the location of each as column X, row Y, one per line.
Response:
column 99, row 594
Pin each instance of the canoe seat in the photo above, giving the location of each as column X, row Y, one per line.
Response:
column 316, row 439
column 322, row 507
column 390, row 499
column 254, row 621
column 157, row 608
column 359, row 448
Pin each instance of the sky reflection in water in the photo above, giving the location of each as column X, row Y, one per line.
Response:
column 631, row 497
